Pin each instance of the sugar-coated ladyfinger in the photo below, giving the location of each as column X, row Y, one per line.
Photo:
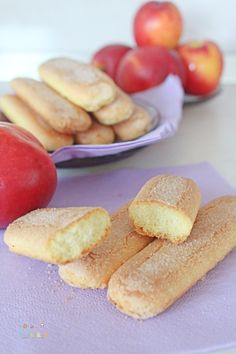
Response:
column 82, row 84
column 58, row 235
column 95, row 269
column 60, row 114
column 21, row 114
column 118, row 111
column 95, row 135
column 166, row 207
column 138, row 124
column 157, row 276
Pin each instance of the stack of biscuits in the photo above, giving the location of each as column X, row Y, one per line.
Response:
column 148, row 254
column 74, row 103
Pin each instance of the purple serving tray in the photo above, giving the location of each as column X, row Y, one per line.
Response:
column 40, row 314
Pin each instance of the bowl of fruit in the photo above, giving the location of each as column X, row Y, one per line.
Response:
column 124, row 99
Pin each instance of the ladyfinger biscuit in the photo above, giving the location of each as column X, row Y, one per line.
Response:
column 166, row 207
column 117, row 111
column 156, row 277
column 60, row 114
column 96, row 134
column 21, row 114
column 58, row 235
column 95, row 269
column 82, row 84
column 137, row 125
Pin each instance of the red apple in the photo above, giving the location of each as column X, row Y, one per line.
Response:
column 142, row 68
column 204, row 66
column 108, row 58
column 176, row 65
column 27, row 173
column 158, row 23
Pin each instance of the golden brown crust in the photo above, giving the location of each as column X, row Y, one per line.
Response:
column 19, row 113
column 32, row 235
column 136, row 125
column 179, row 193
column 60, row 114
column 117, row 111
column 82, row 84
column 96, row 134
column 95, row 270
column 157, row 276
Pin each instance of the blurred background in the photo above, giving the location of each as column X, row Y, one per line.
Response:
column 31, row 31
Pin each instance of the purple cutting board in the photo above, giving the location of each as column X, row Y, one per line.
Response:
column 72, row 321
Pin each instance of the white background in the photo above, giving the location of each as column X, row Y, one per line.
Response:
column 43, row 27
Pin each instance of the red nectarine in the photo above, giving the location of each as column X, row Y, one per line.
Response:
column 176, row 65
column 204, row 65
column 108, row 58
column 158, row 23
column 28, row 175
column 142, row 68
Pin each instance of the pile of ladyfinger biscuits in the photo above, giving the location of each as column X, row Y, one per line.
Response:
column 74, row 103
column 148, row 253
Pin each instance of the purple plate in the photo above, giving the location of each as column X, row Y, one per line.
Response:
column 164, row 103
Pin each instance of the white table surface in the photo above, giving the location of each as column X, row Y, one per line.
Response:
column 207, row 133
